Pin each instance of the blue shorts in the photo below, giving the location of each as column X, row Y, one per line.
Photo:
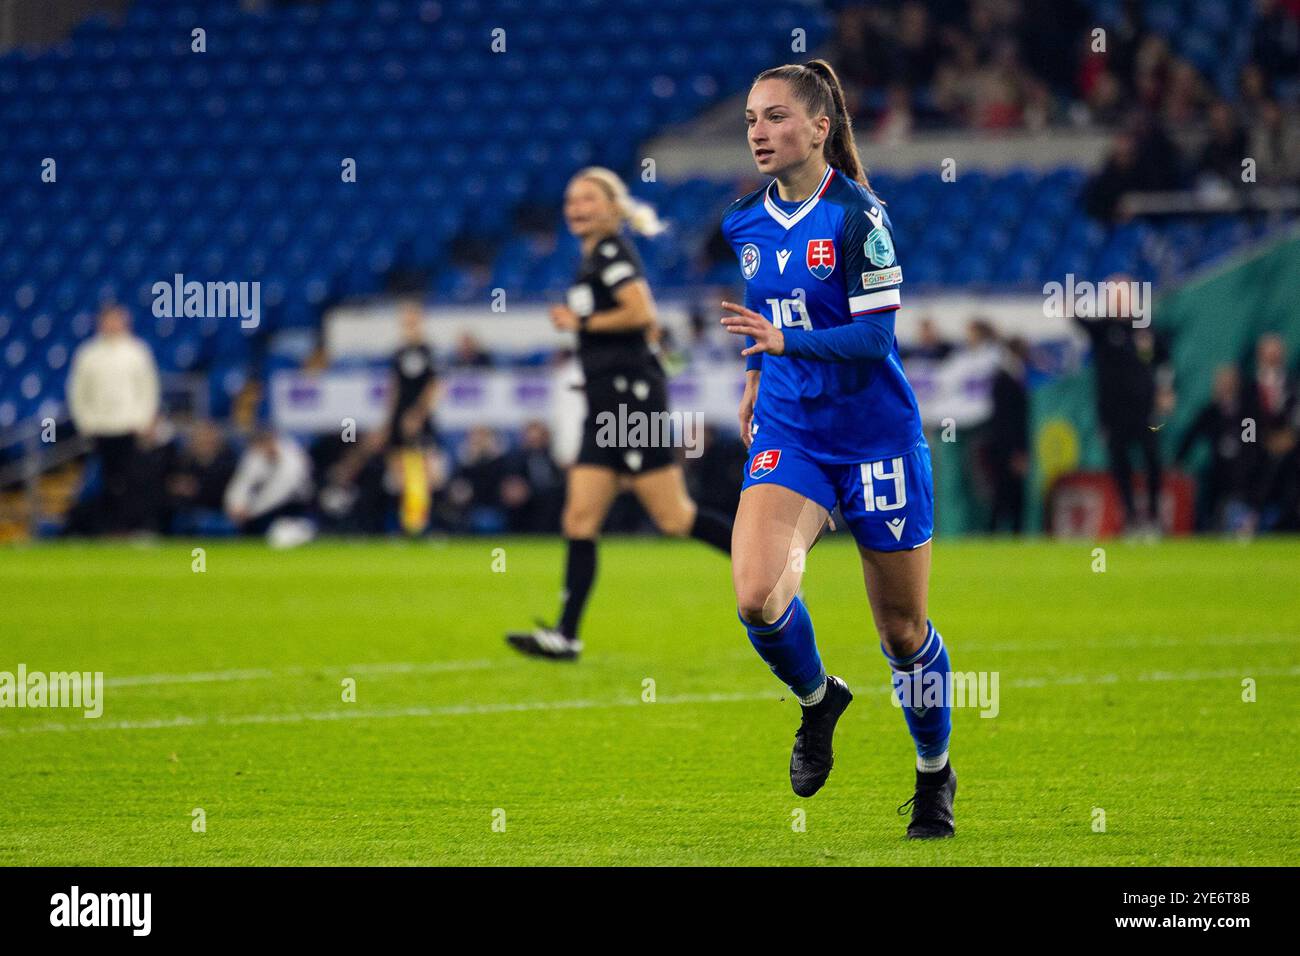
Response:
column 887, row 504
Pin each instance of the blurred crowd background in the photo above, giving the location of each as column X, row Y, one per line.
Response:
column 401, row 376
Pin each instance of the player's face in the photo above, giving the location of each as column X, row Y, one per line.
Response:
column 588, row 210
column 781, row 133
column 113, row 322
column 411, row 324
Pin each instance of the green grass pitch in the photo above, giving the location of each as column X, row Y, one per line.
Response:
column 1120, row 691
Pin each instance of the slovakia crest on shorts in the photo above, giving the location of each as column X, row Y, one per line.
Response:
column 821, row 257
column 764, row 462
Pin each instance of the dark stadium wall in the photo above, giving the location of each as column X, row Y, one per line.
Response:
column 33, row 23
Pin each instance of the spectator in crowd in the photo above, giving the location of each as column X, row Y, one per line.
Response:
column 1105, row 99
column 475, row 488
column 930, row 344
column 271, row 482
column 1252, row 95
column 469, row 353
column 1007, row 437
column 1275, row 146
column 1220, row 159
column 914, row 55
column 1270, row 401
column 975, row 362
column 895, row 123
column 982, row 351
column 1185, row 97
column 1151, row 73
column 1048, row 39
column 999, row 63
column 1275, row 44
column 1142, row 158
column 197, row 476
column 1121, row 174
column 1220, row 425
column 998, row 91
column 532, row 484
column 354, row 495
column 113, row 396
column 1129, row 363
column 156, row 448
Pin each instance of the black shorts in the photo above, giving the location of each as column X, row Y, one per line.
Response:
column 426, row 437
column 615, row 402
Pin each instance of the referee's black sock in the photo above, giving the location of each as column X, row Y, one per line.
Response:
column 579, row 573
column 712, row 528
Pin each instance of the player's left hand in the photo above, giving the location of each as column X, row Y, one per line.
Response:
column 564, row 318
column 767, row 337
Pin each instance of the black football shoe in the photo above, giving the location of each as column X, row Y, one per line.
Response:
column 545, row 642
column 932, row 817
column 811, row 759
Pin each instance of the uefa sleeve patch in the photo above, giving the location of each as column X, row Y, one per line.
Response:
column 879, row 248
column 874, row 280
column 764, row 462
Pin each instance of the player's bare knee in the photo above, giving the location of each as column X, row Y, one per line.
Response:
column 675, row 525
column 753, row 600
column 578, row 523
column 902, row 634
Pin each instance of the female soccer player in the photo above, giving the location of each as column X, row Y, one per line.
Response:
column 830, row 419
column 611, row 309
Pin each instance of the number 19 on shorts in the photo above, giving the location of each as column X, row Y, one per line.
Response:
column 876, row 490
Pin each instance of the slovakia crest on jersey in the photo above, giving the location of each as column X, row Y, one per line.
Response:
column 821, row 257
column 764, row 462
column 749, row 260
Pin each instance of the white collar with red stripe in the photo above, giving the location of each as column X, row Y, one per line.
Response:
column 788, row 220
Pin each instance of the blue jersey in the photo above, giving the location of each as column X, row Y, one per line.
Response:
column 815, row 265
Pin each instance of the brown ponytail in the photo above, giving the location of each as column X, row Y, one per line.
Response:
column 816, row 86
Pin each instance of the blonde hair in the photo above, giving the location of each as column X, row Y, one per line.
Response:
column 639, row 215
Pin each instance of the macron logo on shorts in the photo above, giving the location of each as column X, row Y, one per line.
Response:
column 764, row 462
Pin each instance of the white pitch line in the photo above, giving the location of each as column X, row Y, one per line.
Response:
column 257, row 673
column 451, row 666
column 459, row 710
column 454, row 710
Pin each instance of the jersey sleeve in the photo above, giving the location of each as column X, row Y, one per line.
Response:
column 872, row 274
column 617, row 261
column 753, row 363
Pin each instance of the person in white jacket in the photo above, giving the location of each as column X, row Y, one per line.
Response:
column 272, row 481
column 113, row 395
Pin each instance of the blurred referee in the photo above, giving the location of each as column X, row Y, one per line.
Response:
column 611, row 309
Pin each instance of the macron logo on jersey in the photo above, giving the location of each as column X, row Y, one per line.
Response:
column 782, row 257
column 820, row 257
column 764, row 462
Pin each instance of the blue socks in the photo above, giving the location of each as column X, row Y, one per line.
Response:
column 790, row 650
column 922, row 681
column 923, row 686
